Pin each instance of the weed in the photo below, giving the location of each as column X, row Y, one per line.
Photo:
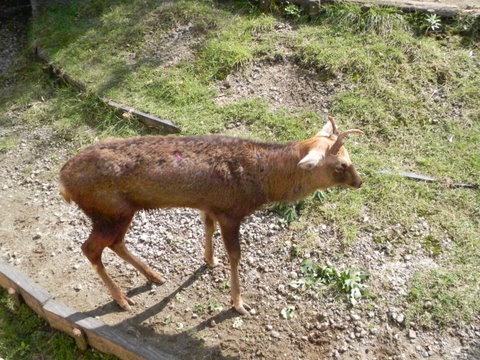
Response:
column 433, row 23
column 292, row 11
column 168, row 320
column 237, row 323
column 348, row 281
column 288, row 312
column 210, row 307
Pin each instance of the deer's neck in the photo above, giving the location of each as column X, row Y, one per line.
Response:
column 284, row 180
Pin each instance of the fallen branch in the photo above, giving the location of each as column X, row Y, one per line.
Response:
column 443, row 10
column 147, row 119
column 420, row 177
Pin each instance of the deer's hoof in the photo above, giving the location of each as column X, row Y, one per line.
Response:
column 243, row 309
column 156, row 278
column 213, row 262
column 124, row 302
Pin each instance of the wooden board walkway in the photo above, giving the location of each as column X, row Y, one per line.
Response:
column 86, row 331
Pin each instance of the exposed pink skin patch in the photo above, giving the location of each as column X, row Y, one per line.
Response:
column 178, row 155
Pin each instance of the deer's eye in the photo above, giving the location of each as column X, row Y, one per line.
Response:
column 340, row 168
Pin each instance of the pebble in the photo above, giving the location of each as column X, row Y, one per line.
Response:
column 275, row 334
column 412, row 334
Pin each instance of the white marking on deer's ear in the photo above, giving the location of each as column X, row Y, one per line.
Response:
column 312, row 159
column 327, row 129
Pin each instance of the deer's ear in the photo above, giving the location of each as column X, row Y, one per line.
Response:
column 312, row 159
column 329, row 128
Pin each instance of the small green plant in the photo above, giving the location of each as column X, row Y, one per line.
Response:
column 210, row 307
column 295, row 251
column 288, row 312
column 199, row 309
column 348, row 281
column 168, row 320
column 225, row 285
column 237, row 323
column 213, row 306
column 292, row 11
column 291, row 212
column 433, row 23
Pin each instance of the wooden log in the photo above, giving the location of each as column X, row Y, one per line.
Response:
column 80, row 339
column 17, row 299
column 113, row 341
column 147, row 119
column 33, row 295
column 443, row 10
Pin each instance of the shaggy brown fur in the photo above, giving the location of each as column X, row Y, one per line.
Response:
column 226, row 178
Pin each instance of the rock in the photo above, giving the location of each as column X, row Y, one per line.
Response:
column 355, row 317
column 322, row 326
column 275, row 334
column 77, row 287
column 412, row 334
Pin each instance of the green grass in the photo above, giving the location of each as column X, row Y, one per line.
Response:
column 415, row 93
column 24, row 335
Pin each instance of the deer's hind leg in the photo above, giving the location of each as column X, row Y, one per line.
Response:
column 104, row 234
column 121, row 250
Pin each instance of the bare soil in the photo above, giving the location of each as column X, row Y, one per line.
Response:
column 190, row 315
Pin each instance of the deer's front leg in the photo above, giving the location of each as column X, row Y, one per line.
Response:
column 209, row 223
column 230, row 233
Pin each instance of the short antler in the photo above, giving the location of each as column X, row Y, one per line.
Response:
column 341, row 139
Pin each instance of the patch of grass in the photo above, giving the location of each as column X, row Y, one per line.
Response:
column 445, row 296
column 24, row 335
column 7, row 143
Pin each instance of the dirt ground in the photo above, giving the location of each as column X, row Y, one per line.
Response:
column 190, row 315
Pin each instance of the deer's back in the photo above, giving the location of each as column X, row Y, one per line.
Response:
column 206, row 172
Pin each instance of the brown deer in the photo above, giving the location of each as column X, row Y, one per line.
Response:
column 226, row 178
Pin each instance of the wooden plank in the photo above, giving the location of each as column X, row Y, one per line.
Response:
column 33, row 295
column 113, row 341
column 5, row 281
column 59, row 316
column 62, row 317
column 147, row 119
